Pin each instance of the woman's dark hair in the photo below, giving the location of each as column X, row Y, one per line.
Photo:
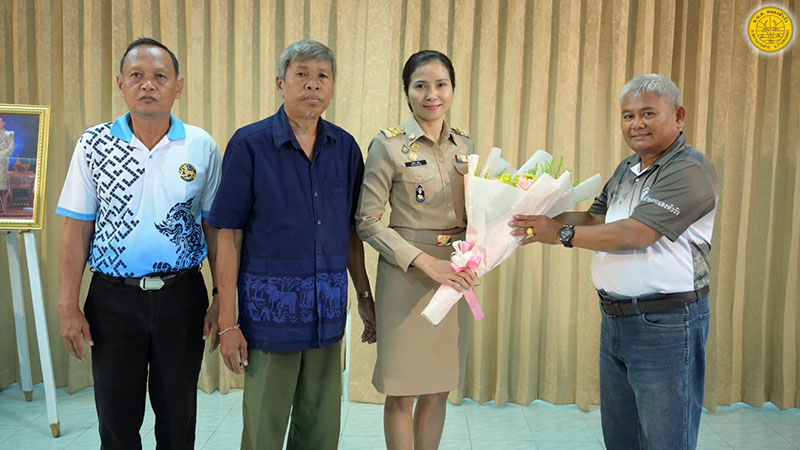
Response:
column 420, row 59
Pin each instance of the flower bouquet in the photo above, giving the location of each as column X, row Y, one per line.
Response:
column 494, row 195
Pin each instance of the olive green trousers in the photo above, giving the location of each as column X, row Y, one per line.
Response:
column 307, row 384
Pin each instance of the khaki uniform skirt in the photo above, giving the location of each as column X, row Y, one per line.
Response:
column 415, row 357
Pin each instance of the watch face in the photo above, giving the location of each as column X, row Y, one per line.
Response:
column 566, row 233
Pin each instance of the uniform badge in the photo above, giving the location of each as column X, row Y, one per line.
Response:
column 461, row 158
column 187, row 172
column 413, row 156
column 420, row 194
column 405, row 149
column 415, row 147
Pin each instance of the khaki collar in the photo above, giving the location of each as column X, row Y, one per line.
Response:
column 413, row 131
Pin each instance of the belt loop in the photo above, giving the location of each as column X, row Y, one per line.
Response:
column 635, row 303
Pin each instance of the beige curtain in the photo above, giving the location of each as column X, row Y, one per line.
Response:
column 530, row 74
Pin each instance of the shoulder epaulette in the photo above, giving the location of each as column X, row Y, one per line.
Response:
column 392, row 132
column 459, row 131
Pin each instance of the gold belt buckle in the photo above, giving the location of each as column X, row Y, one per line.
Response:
column 443, row 240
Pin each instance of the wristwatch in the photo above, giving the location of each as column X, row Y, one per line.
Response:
column 364, row 295
column 566, row 234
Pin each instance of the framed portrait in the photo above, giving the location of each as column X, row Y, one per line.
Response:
column 24, row 139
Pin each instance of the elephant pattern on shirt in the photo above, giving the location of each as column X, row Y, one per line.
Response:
column 288, row 299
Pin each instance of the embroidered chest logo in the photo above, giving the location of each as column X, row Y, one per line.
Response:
column 645, row 197
column 187, row 172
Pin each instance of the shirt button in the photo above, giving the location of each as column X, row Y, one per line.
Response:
column 316, row 194
column 441, row 159
column 319, row 222
column 419, row 178
column 446, row 181
column 449, row 205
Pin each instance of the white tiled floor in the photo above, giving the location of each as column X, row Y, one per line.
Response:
column 468, row 426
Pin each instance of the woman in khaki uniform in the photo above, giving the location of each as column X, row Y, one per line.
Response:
column 417, row 168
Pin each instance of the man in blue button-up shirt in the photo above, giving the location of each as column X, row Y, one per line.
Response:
column 285, row 207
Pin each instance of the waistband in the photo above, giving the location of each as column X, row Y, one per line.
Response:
column 153, row 282
column 440, row 238
column 649, row 304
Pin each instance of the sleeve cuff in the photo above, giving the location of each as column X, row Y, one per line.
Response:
column 75, row 215
column 406, row 254
column 656, row 226
column 597, row 209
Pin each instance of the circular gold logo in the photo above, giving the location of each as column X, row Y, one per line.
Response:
column 770, row 29
column 187, row 172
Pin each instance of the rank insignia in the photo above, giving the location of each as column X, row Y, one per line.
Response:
column 420, row 194
column 411, row 136
column 459, row 131
column 461, row 158
column 405, row 149
column 415, row 147
column 413, row 156
column 187, row 172
column 392, row 132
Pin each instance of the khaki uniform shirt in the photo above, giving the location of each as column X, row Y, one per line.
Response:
column 421, row 180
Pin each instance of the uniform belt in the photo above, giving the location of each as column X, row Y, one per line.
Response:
column 152, row 282
column 441, row 238
column 661, row 303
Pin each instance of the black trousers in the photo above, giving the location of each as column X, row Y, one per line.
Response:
column 140, row 338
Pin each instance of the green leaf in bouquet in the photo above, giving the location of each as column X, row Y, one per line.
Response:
column 549, row 168
column 508, row 179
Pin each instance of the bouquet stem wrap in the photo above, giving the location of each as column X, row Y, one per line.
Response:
column 463, row 258
column 492, row 204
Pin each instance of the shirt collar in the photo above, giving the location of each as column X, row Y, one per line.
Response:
column 121, row 128
column 414, row 131
column 666, row 156
column 283, row 133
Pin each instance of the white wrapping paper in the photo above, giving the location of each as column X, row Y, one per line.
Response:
column 492, row 204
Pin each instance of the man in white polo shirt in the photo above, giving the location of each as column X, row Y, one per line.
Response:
column 651, row 230
column 134, row 198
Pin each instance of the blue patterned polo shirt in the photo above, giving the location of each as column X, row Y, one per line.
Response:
column 147, row 205
column 296, row 215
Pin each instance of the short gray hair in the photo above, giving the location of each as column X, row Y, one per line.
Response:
column 305, row 50
column 655, row 83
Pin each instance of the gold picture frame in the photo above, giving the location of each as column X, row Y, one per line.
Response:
column 24, row 141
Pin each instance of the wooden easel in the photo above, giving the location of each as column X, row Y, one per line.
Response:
column 20, row 324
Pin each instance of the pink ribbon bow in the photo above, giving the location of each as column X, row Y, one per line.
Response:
column 463, row 258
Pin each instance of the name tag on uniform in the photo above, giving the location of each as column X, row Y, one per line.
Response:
column 421, row 162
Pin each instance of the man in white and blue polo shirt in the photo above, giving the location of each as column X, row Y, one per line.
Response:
column 651, row 229
column 134, row 198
